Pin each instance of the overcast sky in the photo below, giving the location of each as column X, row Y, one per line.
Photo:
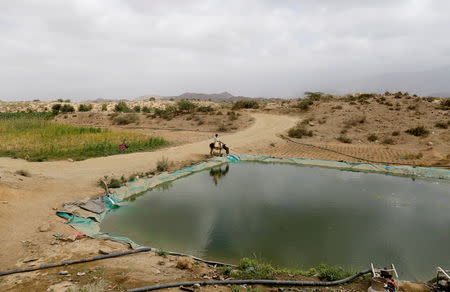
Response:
column 119, row 48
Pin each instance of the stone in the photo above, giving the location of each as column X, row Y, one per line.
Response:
column 104, row 250
column 196, row 286
column 44, row 227
column 430, row 143
column 70, row 160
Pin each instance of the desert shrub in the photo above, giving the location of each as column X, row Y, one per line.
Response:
column 355, row 121
column 418, row 131
column 137, row 109
column 200, row 122
column 219, row 113
column 23, row 173
column 168, row 113
column 336, row 107
column 132, row 177
column 388, row 141
column 396, row 133
column 67, row 100
column 332, row 273
column 84, row 107
column 67, row 108
column 146, row 110
column 304, row 104
column 344, row 139
column 442, row 125
column 313, row 96
column 122, row 107
column 222, row 128
column 372, row 137
column 60, row 100
column 126, row 119
column 245, row 104
column 104, row 107
column 445, row 103
column 412, row 156
column 299, row 131
column 205, row 109
column 114, row 183
column 233, row 116
column 412, row 107
column 162, row 164
column 151, row 99
column 186, row 105
column 56, row 108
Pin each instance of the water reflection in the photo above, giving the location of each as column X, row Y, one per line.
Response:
column 218, row 173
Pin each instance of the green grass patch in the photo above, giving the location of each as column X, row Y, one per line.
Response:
column 255, row 269
column 33, row 136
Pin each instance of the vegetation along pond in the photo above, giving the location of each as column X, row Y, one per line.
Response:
column 294, row 216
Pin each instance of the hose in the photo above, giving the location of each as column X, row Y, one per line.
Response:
column 102, row 257
column 356, row 157
column 251, row 282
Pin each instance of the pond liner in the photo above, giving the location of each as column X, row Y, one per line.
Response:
column 88, row 222
column 252, row 282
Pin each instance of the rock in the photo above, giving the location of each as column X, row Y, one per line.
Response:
column 311, row 124
column 30, row 260
column 104, row 250
column 184, row 263
column 4, row 202
column 44, row 227
column 70, row 160
column 53, row 242
column 63, row 272
column 430, row 143
column 196, row 286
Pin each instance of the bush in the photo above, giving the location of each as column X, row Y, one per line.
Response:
column 304, row 104
column 185, row 105
column 104, row 107
column 60, row 100
column 84, row 107
column 233, row 116
column 162, row 164
column 344, row 139
column 395, row 133
column 222, row 128
column 126, row 119
column 445, row 103
column 442, row 125
column 299, row 131
column 372, row 137
column 56, row 108
column 168, row 113
column 122, row 107
column 245, row 104
column 137, row 109
column 388, row 141
column 313, row 96
column 67, row 108
column 205, row 109
column 355, row 120
column 114, row 183
column 330, row 273
column 418, row 131
column 146, row 109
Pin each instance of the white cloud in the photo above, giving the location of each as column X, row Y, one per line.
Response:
column 118, row 48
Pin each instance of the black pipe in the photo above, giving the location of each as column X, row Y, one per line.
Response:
column 251, row 282
column 101, row 257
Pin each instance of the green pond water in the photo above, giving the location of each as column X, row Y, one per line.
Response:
column 294, row 216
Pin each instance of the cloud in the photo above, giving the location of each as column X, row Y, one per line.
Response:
column 118, row 48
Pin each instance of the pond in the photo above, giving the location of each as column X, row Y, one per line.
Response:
column 295, row 216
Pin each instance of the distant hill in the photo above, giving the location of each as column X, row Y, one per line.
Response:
column 224, row 96
column 433, row 82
